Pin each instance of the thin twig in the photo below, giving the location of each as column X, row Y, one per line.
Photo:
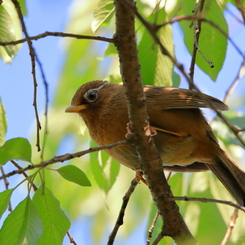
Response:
column 230, row 227
column 197, row 31
column 151, row 229
column 63, row 158
column 241, row 8
column 6, row 183
column 45, row 133
column 119, row 221
column 197, row 18
column 206, row 200
column 58, row 34
column 233, row 15
column 25, row 175
column 239, row 75
column 159, row 237
column 33, row 63
column 71, row 238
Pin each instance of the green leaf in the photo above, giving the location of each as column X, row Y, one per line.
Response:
column 74, row 174
column 205, row 217
column 55, row 222
column 10, row 30
column 114, row 171
column 23, row 226
column 4, row 200
column 156, row 68
column 17, row 148
column 102, row 14
column 212, row 43
column 3, row 124
column 176, row 79
column 236, row 118
column 7, row 31
column 110, row 50
column 98, row 170
column 23, row 7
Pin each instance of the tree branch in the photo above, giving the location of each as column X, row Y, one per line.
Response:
column 119, row 221
column 63, row 158
column 57, row 34
column 125, row 42
column 33, row 71
column 205, row 200
column 230, row 227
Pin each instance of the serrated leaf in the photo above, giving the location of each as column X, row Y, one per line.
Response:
column 3, row 124
column 156, row 68
column 4, row 200
column 212, row 43
column 102, row 14
column 17, row 148
column 74, row 174
column 23, row 225
column 55, row 222
column 7, row 31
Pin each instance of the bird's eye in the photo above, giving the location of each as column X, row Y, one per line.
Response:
column 91, row 95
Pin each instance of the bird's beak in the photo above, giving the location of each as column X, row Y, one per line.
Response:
column 76, row 108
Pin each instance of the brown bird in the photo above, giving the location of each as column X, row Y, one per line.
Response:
column 184, row 139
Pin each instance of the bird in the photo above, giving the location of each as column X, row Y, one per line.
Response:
column 184, row 139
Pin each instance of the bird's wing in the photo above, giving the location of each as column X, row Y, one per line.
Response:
column 166, row 98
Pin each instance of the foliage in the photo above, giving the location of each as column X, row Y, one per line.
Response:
column 67, row 194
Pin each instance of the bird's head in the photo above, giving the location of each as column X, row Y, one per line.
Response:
column 88, row 97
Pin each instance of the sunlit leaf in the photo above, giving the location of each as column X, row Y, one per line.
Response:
column 156, row 68
column 203, row 218
column 3, row 124
column 6, row 31
column 22, row 226
column 55, row 222
column 102, row 14
column 4, row 200
column 17, row 148
column 9, row 30
column 212, row 43
column 74, row 174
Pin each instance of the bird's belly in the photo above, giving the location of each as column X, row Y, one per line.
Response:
column 126, row 155
column 175, row 150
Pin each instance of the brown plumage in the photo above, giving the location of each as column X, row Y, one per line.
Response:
column 184, row 139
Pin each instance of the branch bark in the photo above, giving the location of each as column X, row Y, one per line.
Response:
column 125, row 42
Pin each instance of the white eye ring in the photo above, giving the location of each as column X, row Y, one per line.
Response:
column 91, row 95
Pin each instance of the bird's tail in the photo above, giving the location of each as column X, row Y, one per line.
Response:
column 231, row 176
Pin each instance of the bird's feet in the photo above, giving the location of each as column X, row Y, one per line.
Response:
column 139, row 177
column 149, row 131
